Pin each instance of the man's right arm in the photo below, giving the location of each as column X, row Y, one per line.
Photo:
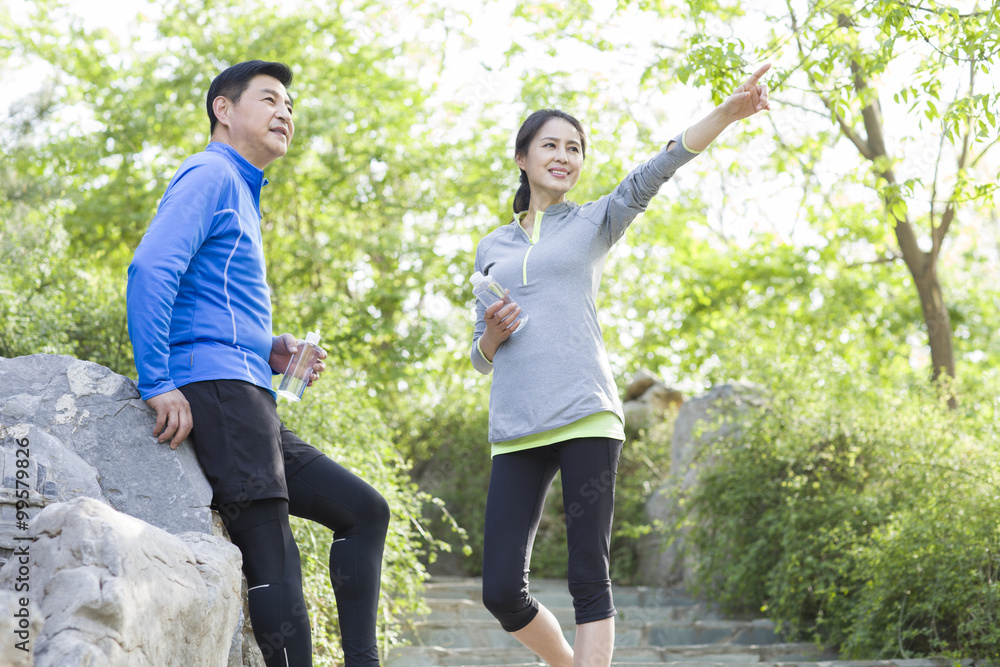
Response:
column 182, row 222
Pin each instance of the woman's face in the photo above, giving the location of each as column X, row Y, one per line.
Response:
column 554, row 159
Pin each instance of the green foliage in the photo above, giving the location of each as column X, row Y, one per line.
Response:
column 855, row 516
column 371, row 220
column 339, row 417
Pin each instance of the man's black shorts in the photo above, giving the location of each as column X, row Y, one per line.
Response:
column 244, row 449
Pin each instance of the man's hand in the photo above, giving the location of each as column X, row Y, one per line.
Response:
column 282, row 349
column 173, row 417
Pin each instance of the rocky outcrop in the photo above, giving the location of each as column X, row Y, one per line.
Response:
column 118, row 591
column 649, row 403
column 91, row 435
column 71, row 429
column 716, row 417
column 20, row 623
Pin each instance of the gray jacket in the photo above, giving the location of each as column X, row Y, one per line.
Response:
column 555, row 371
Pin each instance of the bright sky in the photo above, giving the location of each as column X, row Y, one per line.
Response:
column 475, row 70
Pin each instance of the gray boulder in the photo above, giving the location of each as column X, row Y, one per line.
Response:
column 85, row 423
column 114, row 590
column 649, row 404
column 20, row 624
column 715, row 418
column 73, row 429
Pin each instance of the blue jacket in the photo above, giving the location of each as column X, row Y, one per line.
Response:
column 199, row 307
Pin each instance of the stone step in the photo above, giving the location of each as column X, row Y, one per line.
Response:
column 475, row 633
column 554, row 592
column 458, row 610
column 700, row 663
column 788, row 655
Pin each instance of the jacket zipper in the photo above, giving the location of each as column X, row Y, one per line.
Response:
column 536, row 233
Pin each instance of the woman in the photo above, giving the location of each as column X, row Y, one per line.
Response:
column 553, row 404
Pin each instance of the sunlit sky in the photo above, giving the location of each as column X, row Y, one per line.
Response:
column 475, row 70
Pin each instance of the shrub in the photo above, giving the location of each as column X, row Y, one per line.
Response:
column 855, row 517
column 337, row 416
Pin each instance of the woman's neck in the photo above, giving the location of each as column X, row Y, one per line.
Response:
column 538, row 205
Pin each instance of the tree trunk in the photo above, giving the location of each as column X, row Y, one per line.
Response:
column 938, row 323
column 922, row 264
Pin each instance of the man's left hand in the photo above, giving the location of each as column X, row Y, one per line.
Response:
column 286, row 345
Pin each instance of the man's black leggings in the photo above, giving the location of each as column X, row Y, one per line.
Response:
column 519, row 482
column 325, row 492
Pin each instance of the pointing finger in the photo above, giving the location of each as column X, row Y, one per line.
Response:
column 755, row 77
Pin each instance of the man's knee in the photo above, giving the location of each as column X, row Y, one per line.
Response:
column 378, row 511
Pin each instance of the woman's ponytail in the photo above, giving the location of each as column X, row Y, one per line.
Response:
column 522, row 200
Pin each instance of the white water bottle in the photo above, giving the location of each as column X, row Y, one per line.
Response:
column 300, row 369
column 489, row 291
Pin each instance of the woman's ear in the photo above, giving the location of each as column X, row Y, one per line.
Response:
column 520, row 160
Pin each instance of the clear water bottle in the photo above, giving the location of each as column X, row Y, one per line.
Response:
column 300, row 369
column 489, row 291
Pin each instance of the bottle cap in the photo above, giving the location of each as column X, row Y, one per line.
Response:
column 477, row 279
column 312, row 338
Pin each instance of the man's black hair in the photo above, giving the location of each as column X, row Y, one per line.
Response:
column 233, row 81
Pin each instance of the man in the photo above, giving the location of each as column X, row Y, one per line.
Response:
column 199, row 315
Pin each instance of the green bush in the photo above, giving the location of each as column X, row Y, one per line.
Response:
column 855, row 517
column 52, row 303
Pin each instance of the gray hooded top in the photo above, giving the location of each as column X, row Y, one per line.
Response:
column 555, row 371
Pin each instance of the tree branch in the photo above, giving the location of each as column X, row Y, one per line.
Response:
column 892, row 257
column 970, row 15
column 938, row 234
column 983, row 152
column 848, row 131
column 915, row 258
column 871, row 114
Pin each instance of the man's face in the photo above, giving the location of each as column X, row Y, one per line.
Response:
column 260, row 126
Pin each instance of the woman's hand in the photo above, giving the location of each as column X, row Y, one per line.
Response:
column 749, row 98
column 501, row 321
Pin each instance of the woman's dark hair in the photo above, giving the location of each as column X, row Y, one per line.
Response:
column 526, row 135
column 233, row 81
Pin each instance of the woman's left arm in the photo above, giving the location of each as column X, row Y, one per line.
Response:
column 748, row 99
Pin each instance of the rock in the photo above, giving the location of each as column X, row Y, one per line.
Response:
column 48, row 471
column 19, row 628
column 83, row 423
column 715, row 417
column 648, row 403
column 114, row 590
column 73, row 429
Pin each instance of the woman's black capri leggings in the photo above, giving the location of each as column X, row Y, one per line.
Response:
column 519, row 483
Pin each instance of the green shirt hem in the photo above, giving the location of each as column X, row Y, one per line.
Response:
column 597, row 425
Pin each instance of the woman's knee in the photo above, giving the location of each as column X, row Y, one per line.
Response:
column 511, row 605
